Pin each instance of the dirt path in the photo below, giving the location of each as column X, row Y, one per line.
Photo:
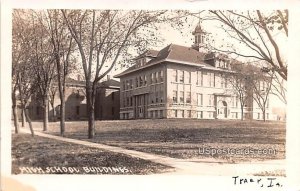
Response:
column 184, row 166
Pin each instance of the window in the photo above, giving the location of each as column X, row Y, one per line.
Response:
column 211, row 79
column 181, row 97
column 181, row 76
column 131, row 84
column 210, row 114
column 161, row 96
column 77, row 110
column 161, row 76
column 222, row 81
column 258, row 115
column 141, row 81
column 199, row 99
column 189, row 77
column 189, row 113
column 124, row 88
column 156, row 77
column 175, row 113
column 175, row 75
column 161, row 114
column 143, row 61
column 234, row 102
column 182, row 113
column 174, row 96
column 211, row 100
column 137, row 82
column 145, row 80
column 199, row 78
column 138, row 63
column 179, row 113
column 197, row 39
column 200, row 114
column 131, row 101
column 188, row 97
column 152, row 78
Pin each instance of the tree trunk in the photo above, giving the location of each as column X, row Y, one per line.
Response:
column 15, row 112
column 90, row 97
column 46, row 113
column 29, row 121
column 264, row 115
column 242, row 112
column 53, row 112
column 61, row 89
column 62, row 109
column 62, row 115
column 23, row 117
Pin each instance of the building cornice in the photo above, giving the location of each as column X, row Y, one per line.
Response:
column 204, row 66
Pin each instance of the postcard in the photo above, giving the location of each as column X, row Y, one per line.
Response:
column 150, row 95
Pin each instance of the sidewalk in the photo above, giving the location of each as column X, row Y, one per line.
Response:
column 183, row 166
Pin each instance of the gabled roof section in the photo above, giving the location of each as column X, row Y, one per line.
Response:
column 111, row 83
column 149, row 53
column 172, row 53
column 185, row 54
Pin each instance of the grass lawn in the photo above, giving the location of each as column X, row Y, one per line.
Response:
column 39, row 155
column 186, row 138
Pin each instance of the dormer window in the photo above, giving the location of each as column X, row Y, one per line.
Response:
column 222, row 63
column 141, row 62
column 141, row 81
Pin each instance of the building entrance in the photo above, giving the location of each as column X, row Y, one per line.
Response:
column 222, row 110
column 140, row 106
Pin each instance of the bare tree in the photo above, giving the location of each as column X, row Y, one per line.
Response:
column 256, row 30
column 27, row 85
column 17, row 53
column 62, row 48
column 43, row 61
column 21, row 43
column 255, row 35
column 261, row 85
column 102, row 38
column 240, row 83
column 278, row 87
column 15, row 81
